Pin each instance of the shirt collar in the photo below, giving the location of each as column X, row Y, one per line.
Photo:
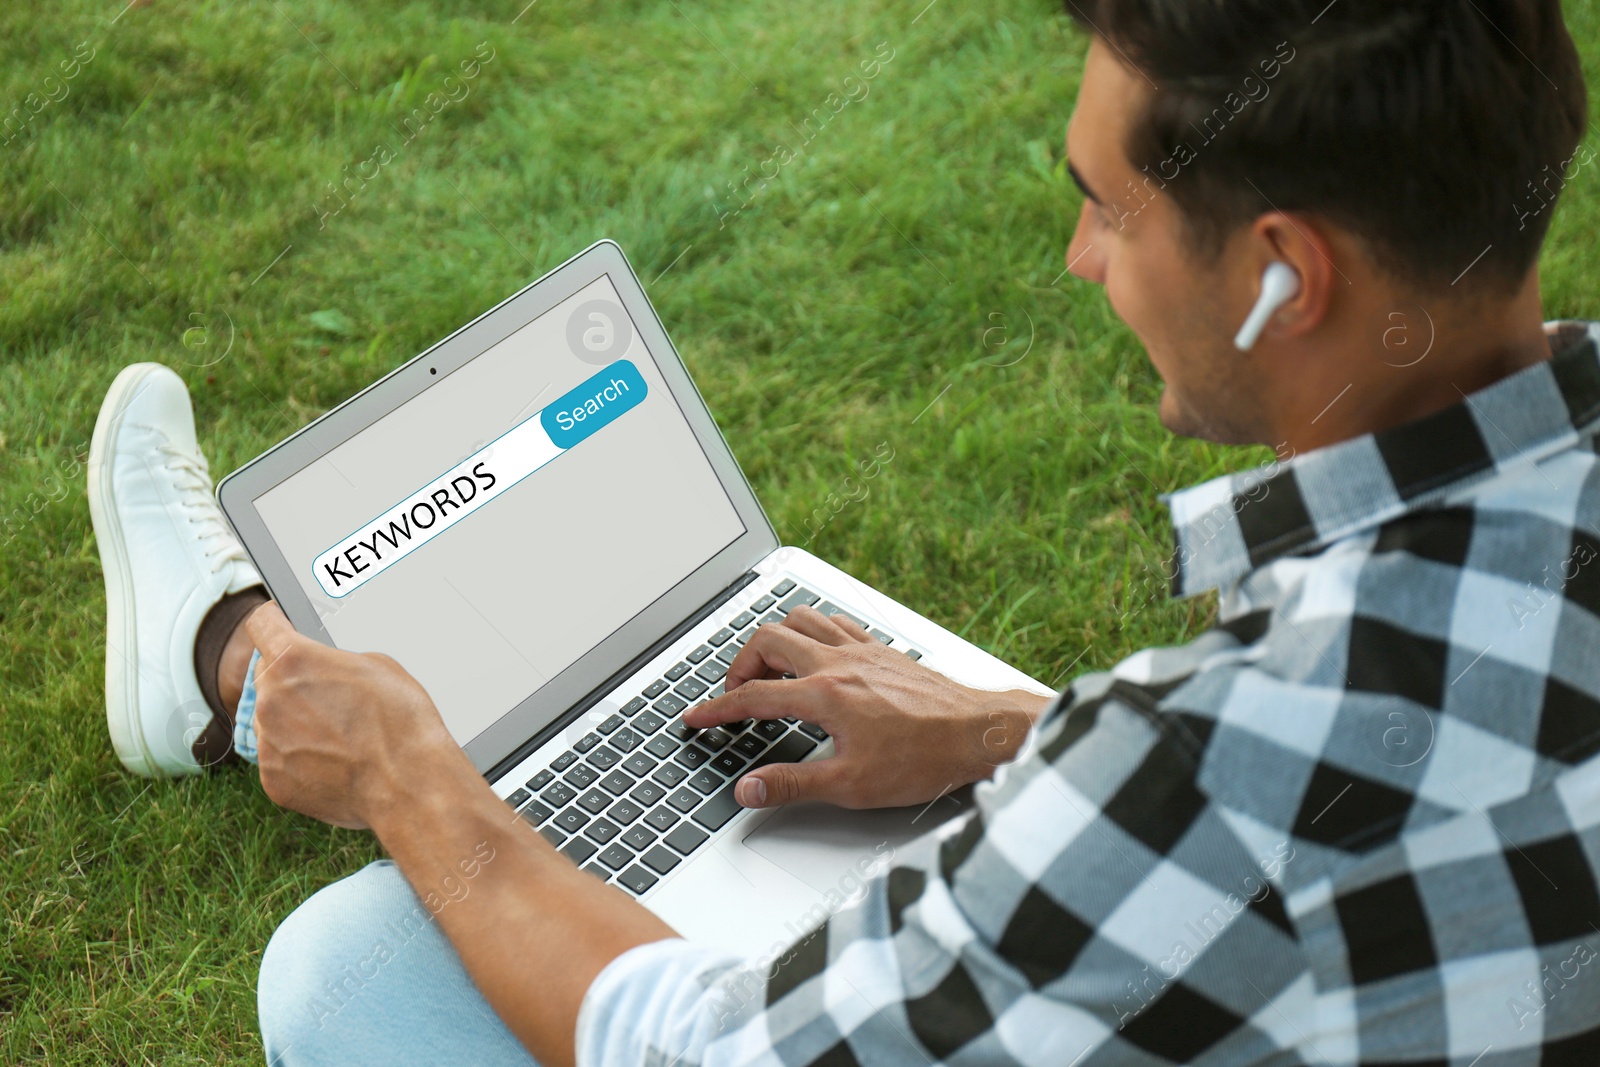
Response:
column 1227, row 527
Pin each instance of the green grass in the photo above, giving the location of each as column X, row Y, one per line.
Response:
column 853, row 303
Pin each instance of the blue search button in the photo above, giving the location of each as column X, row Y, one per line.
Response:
column 593, row 404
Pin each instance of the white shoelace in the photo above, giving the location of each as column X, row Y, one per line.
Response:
column 193, row 482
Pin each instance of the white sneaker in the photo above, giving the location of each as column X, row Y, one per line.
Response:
column 168, row 556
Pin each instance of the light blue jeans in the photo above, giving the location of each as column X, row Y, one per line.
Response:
column 361, row 973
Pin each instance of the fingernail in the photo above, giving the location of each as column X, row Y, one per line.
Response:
column 752, row 792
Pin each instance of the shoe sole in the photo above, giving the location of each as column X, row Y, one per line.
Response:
column 122, row 650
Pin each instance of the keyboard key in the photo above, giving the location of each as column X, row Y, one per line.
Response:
column 813, row 731
column 518, row 798
column 597, row 870
column 577, row 850
column 727, row 653
column 706, row 781
column 791, row 749
column 670, row 705
column 552, row 835
column 686, row 838
column 727, row 763
column 616, row 857
column 587, row 742
column 640, row 837
column 767, row 729
column 782, row 587
column 738, row 727
column 603, row 759
column 602, row 830
column 741, row 620
column 594, row 801
column 678, row 671
column 913, row 655
column 625, row 740
column 763, row 604
column 660, row 860
column 662, row 746
column 749, row 745
column 563, row 761
column 712, row 672
column 536, row 813
column 690, row 688
column 718, row 809
column 721, row 637
column 649, row 723
column 881, row 636
column 647, row 793
column 795, row 599
column 681, row 730
column 669, row 774
column 714, row 740
column 684, row 800
column 771, row 618
column 698, row 654
column 634, row 706
column 616, row 783
column 636, row 879
column 581, row 776
column 571, row 820
column 638, row 765
column 692, row 756
column 655, row 688
column 542, row 779
column 830, row 609
column 612, row 724
column 624, row 812
column 662, row 818
column 558, row 794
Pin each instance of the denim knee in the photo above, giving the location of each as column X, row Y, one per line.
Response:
column 361, row 973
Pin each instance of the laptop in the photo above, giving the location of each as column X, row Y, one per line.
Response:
column 540, row 520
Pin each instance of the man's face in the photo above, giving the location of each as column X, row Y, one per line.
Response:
column 1130, row 239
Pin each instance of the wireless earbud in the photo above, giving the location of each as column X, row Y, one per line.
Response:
column 1279, row 285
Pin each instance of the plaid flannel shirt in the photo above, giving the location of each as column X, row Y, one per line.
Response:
column 1356, row 822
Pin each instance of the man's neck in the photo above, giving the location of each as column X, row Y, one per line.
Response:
column 1394, row 367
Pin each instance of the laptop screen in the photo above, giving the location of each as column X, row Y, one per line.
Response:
column 494, row 528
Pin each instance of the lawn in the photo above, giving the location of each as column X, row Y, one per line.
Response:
column 892, row 277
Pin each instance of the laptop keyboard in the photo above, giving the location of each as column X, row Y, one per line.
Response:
column 642, row 791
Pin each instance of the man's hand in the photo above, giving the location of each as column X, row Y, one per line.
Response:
column 341, row 734
column 904, row 734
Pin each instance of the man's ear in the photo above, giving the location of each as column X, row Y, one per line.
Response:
column 1298, row 241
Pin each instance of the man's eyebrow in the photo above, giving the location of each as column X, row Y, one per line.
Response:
column 1083, row 186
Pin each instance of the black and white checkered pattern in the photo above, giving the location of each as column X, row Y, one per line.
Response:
column 1358, row 822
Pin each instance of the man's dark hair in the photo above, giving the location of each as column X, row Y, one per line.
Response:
column 1432, row 129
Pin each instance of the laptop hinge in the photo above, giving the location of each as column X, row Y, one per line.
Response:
column 605, row 688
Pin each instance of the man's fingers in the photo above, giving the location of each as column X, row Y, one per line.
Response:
column 851, row 627
column 817, row 626
column 270, row 631
column 775, row 648
column 787, row 783
column 760, row 698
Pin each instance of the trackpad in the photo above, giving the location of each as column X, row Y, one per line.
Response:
column 815, row 842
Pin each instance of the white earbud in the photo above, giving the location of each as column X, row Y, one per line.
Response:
column 1279, row 285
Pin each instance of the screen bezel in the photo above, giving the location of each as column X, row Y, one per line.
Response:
column 545, row 707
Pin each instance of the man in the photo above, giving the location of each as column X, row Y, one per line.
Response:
column 1353, row 823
